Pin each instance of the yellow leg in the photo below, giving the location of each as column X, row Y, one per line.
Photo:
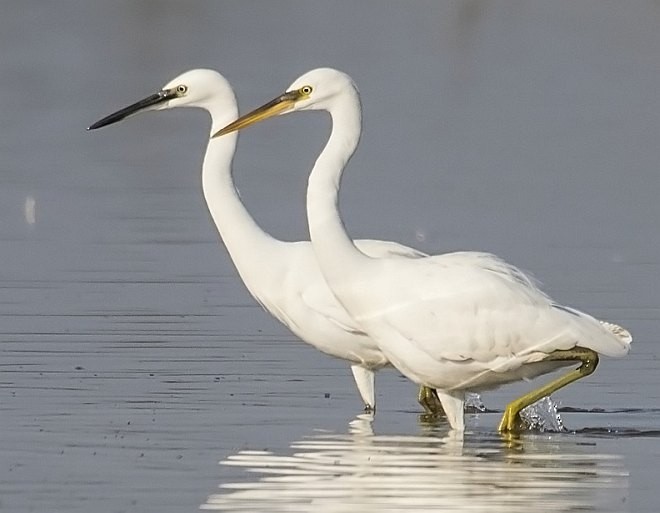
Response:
column 511, row 418
column 428, row 398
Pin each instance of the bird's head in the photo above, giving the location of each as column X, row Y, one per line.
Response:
column 319, row 89
column 202, row 88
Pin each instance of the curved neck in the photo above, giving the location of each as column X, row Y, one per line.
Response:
column 244, row 239
column 334, row 249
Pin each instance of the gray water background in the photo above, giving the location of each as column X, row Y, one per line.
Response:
column 132, row 360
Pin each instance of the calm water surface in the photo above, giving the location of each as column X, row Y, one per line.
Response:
column 132, row 360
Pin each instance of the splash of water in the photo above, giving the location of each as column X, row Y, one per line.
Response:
column 543, row 416
column 474, row 404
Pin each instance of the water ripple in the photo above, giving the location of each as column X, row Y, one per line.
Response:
column 361, row 471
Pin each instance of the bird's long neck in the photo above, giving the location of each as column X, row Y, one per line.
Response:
column 247, row 244
column 334, row 249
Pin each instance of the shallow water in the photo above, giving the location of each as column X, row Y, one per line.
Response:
column 368, row 472
column 132, row 360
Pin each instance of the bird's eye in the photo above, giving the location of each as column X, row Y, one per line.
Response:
column 181, row 89
column 306, row 90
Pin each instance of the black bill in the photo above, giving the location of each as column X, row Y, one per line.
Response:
column 154, row 99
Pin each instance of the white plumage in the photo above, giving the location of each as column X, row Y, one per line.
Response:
column 283, row 277
column 456, row 322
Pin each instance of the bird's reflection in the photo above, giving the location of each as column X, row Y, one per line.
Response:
column 362, row 471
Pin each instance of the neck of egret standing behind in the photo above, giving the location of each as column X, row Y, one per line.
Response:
column 247, row 243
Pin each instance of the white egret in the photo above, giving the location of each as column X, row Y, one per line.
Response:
column 282, row 276
column 457, row 322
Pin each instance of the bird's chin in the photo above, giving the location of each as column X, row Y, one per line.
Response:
column 159, row 106
column 307, row 106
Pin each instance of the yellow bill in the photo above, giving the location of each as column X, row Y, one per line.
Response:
column 279, row 105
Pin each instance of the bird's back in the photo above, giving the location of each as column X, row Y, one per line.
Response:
column 473, row 306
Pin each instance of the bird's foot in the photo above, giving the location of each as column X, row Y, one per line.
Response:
column 429, row 400
column 511, row 421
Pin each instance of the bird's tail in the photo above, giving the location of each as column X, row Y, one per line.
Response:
column 618, row 331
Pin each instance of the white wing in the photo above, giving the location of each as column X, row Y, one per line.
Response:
column 474, row 306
